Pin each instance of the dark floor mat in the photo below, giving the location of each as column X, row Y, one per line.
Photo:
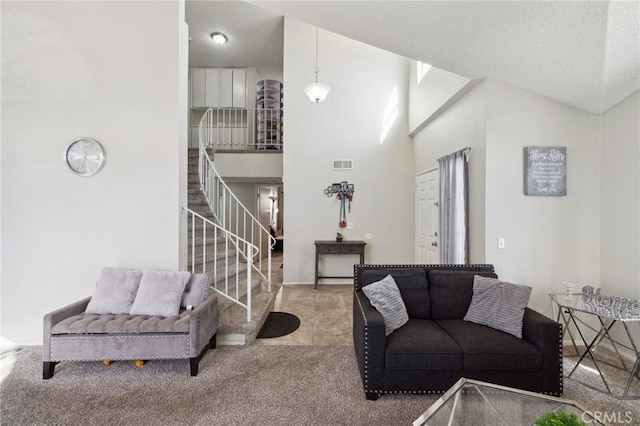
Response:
column 278, row 324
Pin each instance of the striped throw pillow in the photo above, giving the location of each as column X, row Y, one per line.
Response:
column 385, row 296
column 498, row 304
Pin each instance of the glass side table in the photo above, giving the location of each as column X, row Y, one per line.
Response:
column 568, row 307
column 472, row 402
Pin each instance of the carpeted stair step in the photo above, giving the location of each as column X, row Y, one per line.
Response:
column 233, row 327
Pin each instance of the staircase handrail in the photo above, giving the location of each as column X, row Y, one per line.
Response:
column 243, row 249
column 226, row 231
column 253, row 218
column 204, row 141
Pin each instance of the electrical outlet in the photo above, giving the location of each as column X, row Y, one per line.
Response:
column 500, row 243
column 349, row 225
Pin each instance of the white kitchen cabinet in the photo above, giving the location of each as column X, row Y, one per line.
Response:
column 239, row 88
column 218, row 88
column 198, row 87
column 212, row 88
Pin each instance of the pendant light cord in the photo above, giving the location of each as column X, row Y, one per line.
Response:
column 317, row 69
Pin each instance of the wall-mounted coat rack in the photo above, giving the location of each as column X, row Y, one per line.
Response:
column 344, row 192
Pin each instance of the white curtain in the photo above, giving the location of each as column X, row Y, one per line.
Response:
column 454, row 208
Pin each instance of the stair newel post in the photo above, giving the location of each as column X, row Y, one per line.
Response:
column 193, row 243
column 204, row 246
column 249, row 268
column 269, row 265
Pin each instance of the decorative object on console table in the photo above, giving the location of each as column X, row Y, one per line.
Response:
column 269, row 114
column 545, row 170
column 338, row 248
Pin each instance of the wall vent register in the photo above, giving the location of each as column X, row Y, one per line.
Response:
column 342, row 164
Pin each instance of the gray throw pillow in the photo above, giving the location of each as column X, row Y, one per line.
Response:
column 115, row 291
column 196, row 291
column 498, row 304
column 160, row 293
column 385, row 296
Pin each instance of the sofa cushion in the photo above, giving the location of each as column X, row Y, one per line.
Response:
column 488, row 349
column 160, row 293
column 385, row 297
column 451, row 292
column 498, row 304
column 413, row 286
column 122, row 324
column 195, row 291
column 422, row 345
column 115, row 291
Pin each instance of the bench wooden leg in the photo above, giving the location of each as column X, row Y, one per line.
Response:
column 193, row 362
column 48, row 369
column 212, row 342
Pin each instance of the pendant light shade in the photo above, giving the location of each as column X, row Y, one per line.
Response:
column 316, row 92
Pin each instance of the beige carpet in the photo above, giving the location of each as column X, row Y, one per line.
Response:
column 256, row 385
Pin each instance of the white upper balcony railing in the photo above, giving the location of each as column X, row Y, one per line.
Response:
column 250, row 129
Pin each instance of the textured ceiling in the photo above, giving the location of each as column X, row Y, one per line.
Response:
column 255, row 36
column 583, row 53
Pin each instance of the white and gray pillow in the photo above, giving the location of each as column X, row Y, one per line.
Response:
column 160, row 293
column 115, row 291
column 498, row 304
column 385, row 296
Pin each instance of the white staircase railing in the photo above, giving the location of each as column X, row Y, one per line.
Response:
column 246, row 129
column 214, row 251
column 231, row 215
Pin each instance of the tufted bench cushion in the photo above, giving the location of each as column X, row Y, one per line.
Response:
column 122, row 324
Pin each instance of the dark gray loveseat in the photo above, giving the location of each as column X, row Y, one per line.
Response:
column 436, row 347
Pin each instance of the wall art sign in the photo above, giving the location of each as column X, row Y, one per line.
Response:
column 545, row 170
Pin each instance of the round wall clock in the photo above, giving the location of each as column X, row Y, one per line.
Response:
column 85, row 157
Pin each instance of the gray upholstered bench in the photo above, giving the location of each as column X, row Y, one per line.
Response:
column 72, row 334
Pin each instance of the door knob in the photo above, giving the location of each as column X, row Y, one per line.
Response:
column 435, row 244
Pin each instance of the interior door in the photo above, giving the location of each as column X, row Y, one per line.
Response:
column 427, row 219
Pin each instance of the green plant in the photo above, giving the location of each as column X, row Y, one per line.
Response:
column 559, row 418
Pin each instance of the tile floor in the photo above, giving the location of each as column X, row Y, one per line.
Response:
column 325, row 313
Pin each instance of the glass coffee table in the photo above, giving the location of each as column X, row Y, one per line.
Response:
column 472, row 402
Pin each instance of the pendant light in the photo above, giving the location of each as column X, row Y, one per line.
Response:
column 316, row 92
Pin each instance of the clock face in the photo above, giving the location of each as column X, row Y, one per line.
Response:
column 85, row 157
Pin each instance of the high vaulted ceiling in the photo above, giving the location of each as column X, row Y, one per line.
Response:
column 583, row 53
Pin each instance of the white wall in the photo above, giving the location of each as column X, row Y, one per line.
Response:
column 462, row 125
column 431, row 93
column 262, row 166
column 66, row 75
column 620, row 199
column 548, row 239
column 347, row 125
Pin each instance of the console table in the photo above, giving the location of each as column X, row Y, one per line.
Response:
column 568, row 306
column 335, row 247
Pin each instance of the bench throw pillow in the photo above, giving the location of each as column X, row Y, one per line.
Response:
column 115, row 291
column 385, row 296
column 160, row 293
column 498, row 304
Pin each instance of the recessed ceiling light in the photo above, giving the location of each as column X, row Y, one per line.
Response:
column 219, row 38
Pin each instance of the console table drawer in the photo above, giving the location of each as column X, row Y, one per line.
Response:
column 351, row 249
column 328, row 249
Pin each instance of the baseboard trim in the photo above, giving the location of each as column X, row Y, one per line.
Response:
column 231, row 339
